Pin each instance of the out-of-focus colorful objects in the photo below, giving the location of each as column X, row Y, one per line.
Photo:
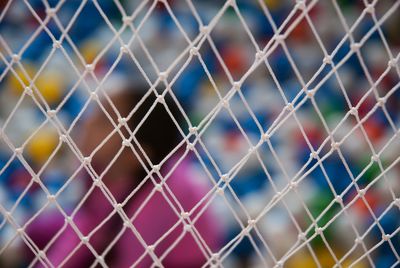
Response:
column 72, row 69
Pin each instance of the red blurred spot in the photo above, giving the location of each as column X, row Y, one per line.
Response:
column 235, row 60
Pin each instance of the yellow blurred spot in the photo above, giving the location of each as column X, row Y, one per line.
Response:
column 207, row 89
column 50, row 85
column 17, row 83
column 42, row 145
column 300, row 261
column 303, row 259
column 272, row 4
column 90, row 50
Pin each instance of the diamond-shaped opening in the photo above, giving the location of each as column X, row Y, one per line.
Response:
column 295, row 205
column 354, row 149
column 104, row 235
column 285, row 141
column 343, row 128
column 276, row 223
column 201, row 183
column 66, row 11
column 206, row 159
column 158, row 123
column 243, row 116
column 163, row 44
column 96, row 130
column 238, row 51
column 331, row 103
column 82, row 29
column 16, row 81
column 55, row 175
column 55, row 80
column 69, row 186
column 127, row 64
column 255, row 16
column 304, row 49
column 37, row 50
column 312, row 132
column 251, row 184
column 202, row 166
column 262, row 95
column 215, row 67
column 41, row 145
column 111, row 82
column 95, row 203
column 284, row 73
column 375, row 56
column 334, row 171
column 383, row 192
column 148, row 224
column 141, row 54
column 22, row 123
column 123, row 188
column 72, row 107
column 203, row 96
column 224, row 141
column 327, row 24
column 385, row 253
column 271, row 165
column 195, row 91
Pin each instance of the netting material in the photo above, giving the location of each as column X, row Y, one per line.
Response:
column 223, row 183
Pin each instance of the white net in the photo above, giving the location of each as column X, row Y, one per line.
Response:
column 288, row 112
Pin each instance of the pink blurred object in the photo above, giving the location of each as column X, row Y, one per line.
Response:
column 152, row 221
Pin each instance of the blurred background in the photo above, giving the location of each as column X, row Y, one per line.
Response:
column 199, row 81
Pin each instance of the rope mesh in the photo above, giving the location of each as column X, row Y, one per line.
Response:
column 279, row 221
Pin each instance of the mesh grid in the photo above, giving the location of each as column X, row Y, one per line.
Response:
column 285, row 193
